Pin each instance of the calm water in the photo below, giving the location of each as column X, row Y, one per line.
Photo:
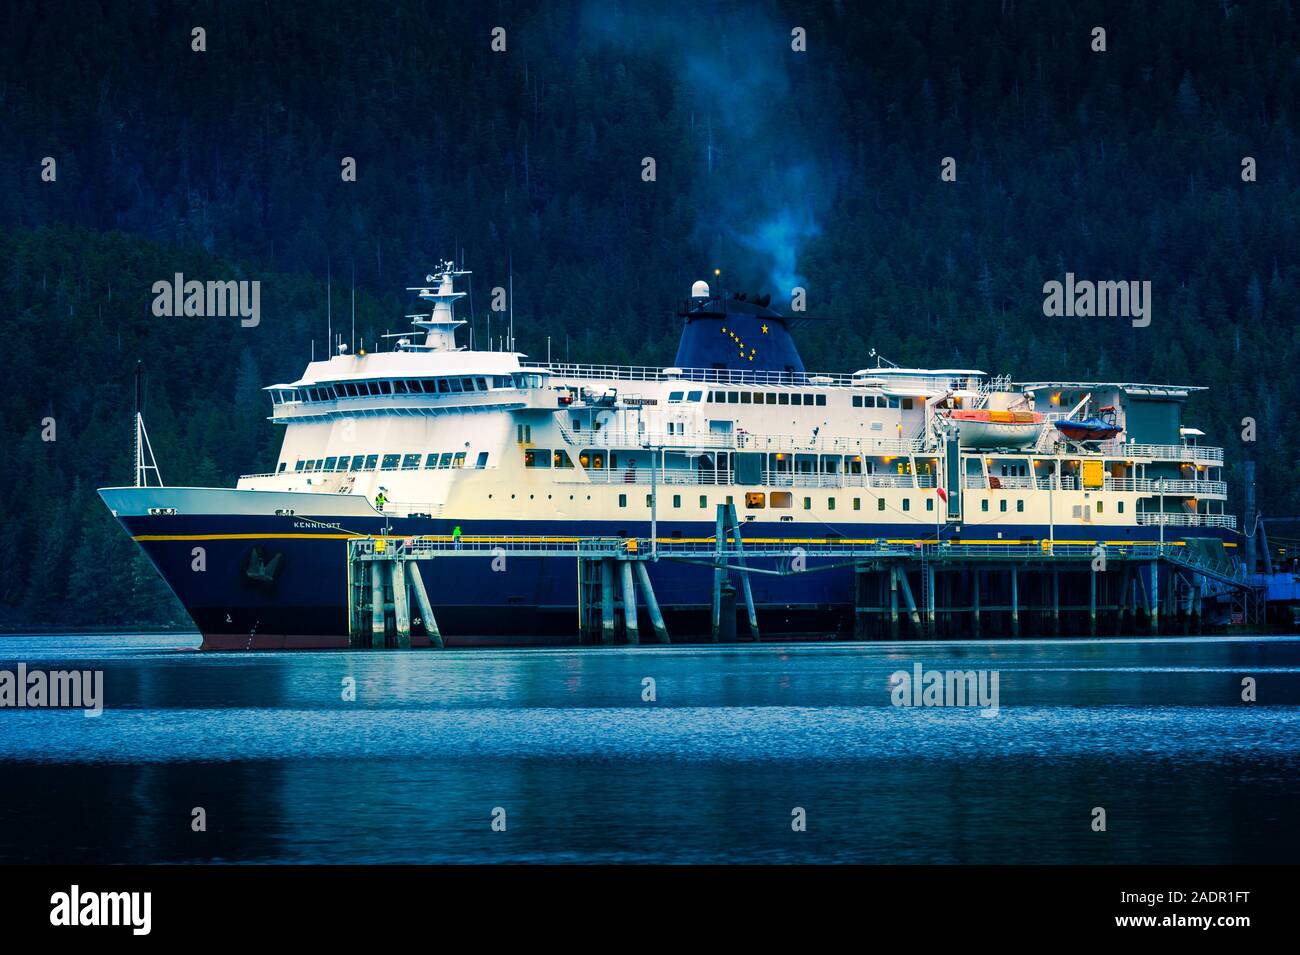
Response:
column 412, row 771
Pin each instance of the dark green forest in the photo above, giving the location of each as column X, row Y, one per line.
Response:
column 819, row 168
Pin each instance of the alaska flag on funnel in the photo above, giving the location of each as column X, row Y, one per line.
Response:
column 735, row 333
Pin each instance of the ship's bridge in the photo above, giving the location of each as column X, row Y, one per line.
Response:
column 419, row 382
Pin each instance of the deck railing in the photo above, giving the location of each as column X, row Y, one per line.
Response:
column 1188, row 520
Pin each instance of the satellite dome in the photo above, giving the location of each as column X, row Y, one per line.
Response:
column 700, row 289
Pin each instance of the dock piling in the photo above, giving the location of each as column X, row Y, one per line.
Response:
column 607, row 601
column 426, row 608
column 629, row 603
column 377, row 622
column 651, row 602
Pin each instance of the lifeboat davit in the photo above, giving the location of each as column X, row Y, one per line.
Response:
column 981, row 428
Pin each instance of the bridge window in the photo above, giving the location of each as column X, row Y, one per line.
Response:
column 410, row 462
column 467, row 384
column 537, row 458
column 443, row 387
column 385, row 387
column 771, row 397
column 283, row 464
column 481, row 384
column 358, row 462
column 674, row 396
column 399, row 387
column 783, row 398
column 372, row 461
column 432, row 460
column 330, row 463
column 459, row 460
column 907, row 404
column 483, row 460
column 445, row 460
column 390, row 462
column 693, row 396
column 298, row 466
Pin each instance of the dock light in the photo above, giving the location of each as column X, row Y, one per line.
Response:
column 717, row 272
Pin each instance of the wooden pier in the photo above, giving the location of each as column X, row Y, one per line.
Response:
column 902, row 590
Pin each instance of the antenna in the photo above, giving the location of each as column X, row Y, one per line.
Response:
column 354, row 305
column 511, row 336
column 329, row 308
column 144, row 459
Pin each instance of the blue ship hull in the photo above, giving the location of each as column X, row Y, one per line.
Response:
column 534, row 601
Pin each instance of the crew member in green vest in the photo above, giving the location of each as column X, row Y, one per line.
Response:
column 455, row 536
column 380, row 498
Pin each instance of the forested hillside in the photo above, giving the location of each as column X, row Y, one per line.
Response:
column 819, row 168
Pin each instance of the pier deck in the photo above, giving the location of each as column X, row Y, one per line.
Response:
column 920, row 589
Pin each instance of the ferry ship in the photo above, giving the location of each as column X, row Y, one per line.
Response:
column 484, row 445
